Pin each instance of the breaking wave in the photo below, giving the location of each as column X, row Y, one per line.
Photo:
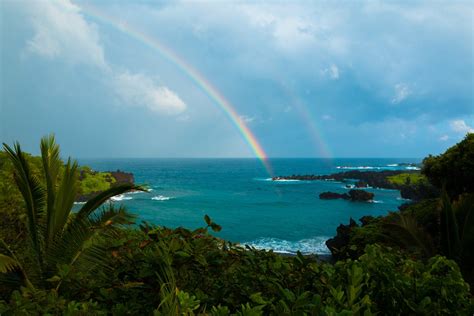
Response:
column 161, row 198
column 120, row 197
column 316, row 245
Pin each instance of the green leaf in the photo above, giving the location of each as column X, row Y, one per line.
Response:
column 257, row 298
column 8, row 264
column 215, row 227
column 53, row 279
column 207, row 219
column 33, row 195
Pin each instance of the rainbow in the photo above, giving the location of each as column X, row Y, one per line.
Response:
column 190, row 72
column 321, row 149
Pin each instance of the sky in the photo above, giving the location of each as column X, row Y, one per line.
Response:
column 304, row 79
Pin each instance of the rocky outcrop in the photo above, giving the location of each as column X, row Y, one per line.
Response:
column 353, row 195
column 333, row 196
column 122, row 177
column 361, row 184
column 361, row 195
column 338, row 243
column 116, row 178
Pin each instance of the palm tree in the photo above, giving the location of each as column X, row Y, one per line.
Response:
column 56, row 235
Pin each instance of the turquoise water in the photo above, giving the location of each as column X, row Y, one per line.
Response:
column 237, row 193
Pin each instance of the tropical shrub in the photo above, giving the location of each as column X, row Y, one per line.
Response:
column 56, row 239
column 453, row 169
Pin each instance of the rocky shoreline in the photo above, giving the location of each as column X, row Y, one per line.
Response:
column 374, row 179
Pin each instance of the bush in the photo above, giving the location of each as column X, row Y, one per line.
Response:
column 454, row 169
column 202, row 274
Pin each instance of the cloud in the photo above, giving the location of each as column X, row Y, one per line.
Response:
column 60, row 31
column 401, row 93
column 332, row 72
column 138, row 89
column 444, row 138
column 460, row 126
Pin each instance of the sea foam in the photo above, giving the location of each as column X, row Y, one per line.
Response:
column 120, row 197
column 358, row 167
column 315, row 245
column 375, row 201
column 161, row 198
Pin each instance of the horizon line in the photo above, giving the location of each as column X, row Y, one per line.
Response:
column 276, row 157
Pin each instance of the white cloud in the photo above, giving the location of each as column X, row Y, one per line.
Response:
column 332, row 72
column 247, row 119
column 460, row 126
column 140, row 90
column 61, row 31
column 444, row 138
column 402, row 91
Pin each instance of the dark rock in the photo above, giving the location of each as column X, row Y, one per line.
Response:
column 123, row 177
column 360, row 195
column 341, row 240
column 354, row 195
column 361, row 184
column 333, row 196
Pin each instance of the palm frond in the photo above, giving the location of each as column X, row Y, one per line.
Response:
column 449, row 227
column 111, row 215
column 66, row 246
column 101, row 198
column 79, row 241
column 8, row 264
column 33, row 194
column 406, row 232
column 464, row 211
column 51, row 166
column 65, row 197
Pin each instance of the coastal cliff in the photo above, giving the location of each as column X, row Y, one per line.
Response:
column 92, row 183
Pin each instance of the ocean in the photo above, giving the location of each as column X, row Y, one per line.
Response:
column 238, row 194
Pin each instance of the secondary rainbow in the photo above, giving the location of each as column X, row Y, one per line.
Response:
column 191, row 72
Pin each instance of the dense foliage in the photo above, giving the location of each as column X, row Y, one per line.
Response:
column 91, row 182
column 454, row 169
column 405, row 263
column 196, row 273
column 442, row 225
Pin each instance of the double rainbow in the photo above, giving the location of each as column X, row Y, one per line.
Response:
column 190, row 72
